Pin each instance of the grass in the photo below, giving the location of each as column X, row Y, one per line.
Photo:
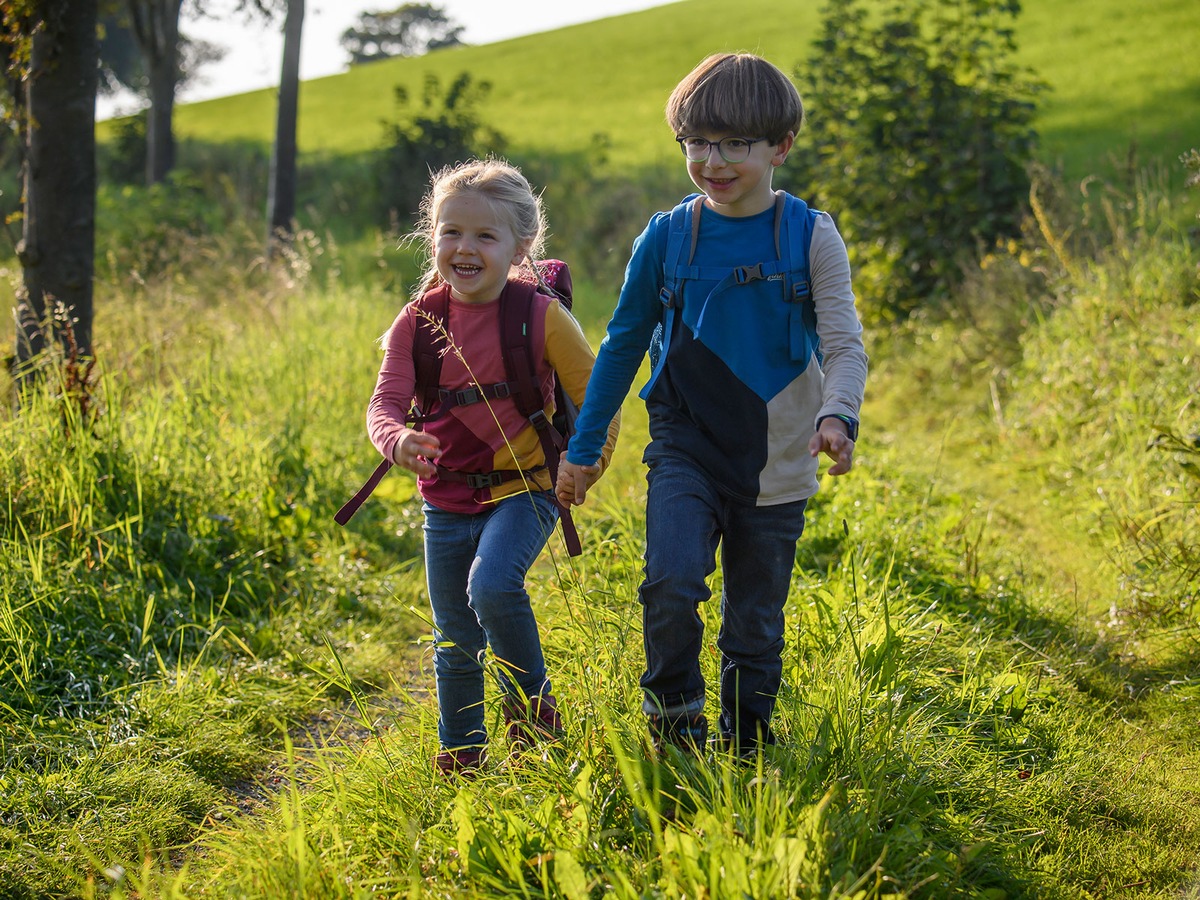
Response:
column 991, row 675
column 212, row 691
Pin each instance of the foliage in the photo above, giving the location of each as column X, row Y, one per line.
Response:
column 121, row 63
column 409, row 30
column 919, row 134
column 123, row 160
column 447, row 128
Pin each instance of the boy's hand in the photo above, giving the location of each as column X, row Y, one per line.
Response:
column 833, row 438
column 574, row 481
column 418, row 452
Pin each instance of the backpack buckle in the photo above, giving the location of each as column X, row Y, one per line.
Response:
column 800, row 291
column 667, row 297
column 501, row 390
column 479, row 480
column 539, row 420
column 467, row 396
column 746, row 274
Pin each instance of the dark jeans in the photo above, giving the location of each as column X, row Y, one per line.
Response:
column 475, row 567
column 686, row 520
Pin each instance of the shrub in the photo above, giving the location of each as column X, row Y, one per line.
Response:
column 445, row 130
column 920, row 135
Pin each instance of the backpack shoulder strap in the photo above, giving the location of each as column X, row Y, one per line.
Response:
column 683, row 231
column 793, row 238
column 682, row 235
column 429, row 344
column 516, row 315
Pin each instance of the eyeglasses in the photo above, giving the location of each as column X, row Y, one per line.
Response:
column 732, row 149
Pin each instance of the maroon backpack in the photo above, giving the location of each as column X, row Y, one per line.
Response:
column 433, row 401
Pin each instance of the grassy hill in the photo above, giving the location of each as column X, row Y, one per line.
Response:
column 1119, row 74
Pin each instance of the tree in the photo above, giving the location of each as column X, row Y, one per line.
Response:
column 919, row 133
column 122, row 66
column 410, row 30
column 156, row 26
column 166, row 57
column 281, row 190
column 58, row 231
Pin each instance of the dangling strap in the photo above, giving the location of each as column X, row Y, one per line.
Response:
column 350, row 507
column 516, row 306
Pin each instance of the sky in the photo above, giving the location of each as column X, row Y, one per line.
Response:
column 254, row 50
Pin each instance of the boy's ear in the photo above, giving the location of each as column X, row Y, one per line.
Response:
column 783, row 148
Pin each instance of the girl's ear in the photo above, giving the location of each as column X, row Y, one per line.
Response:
column 521, row 254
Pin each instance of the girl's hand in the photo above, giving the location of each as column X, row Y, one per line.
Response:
column 418, row 452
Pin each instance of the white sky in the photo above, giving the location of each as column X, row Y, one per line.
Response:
column 254, row 50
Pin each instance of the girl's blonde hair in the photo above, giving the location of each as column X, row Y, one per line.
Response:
column 736, row 93
column 506, row 190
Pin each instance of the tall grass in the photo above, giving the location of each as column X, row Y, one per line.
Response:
column 924, row 752
column 208, row 690
column 952, row 723
column 165, row 579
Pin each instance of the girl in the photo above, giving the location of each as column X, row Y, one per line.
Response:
column 480, row 223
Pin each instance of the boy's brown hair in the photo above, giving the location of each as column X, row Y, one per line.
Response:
column 736, row 93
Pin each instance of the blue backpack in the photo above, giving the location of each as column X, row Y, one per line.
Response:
column 794, row 222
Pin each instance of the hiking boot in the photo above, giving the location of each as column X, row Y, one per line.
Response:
column 687, row 733
column 744, row 755
column 465, row 761
column 533, row 722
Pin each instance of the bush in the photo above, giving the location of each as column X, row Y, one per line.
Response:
column 445, row 130
column 920, row 135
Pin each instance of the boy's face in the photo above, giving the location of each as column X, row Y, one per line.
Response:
column 739, row 188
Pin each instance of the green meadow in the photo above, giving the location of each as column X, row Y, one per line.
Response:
column 992, row 670
column 1122, row 79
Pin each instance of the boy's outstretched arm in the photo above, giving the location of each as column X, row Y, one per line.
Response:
column 833, row 438
column 574, row 481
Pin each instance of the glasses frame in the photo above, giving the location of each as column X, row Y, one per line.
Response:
column 684, row 138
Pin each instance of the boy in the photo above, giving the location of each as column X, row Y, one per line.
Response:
column 738, row 403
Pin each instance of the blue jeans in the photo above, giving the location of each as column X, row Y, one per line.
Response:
column 475, row 567
column 686, row 519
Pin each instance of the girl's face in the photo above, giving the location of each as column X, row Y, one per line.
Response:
column 473, row 248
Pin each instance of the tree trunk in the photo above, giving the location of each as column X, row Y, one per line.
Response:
column 156, row 27
column 281, row 189
column 58, row 237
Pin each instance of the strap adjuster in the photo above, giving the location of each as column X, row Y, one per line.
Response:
column 479, row 480
column 667, row 297
column 539, row 420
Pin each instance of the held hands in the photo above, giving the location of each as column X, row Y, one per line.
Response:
column 834, row 439
column 418, row 452
column 574, row 481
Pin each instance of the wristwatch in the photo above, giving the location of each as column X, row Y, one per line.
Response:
column 851, row 424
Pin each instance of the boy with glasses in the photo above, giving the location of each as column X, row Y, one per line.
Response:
column 741, row 400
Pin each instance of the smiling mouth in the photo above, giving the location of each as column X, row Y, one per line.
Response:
column 466, row 271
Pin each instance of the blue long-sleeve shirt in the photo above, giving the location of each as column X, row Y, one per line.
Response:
column 725, row 395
